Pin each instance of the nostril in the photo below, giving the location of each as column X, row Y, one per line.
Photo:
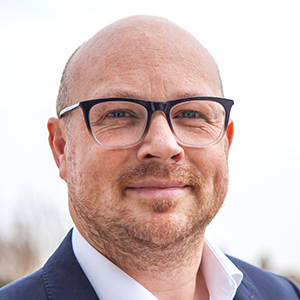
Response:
column 177, row 157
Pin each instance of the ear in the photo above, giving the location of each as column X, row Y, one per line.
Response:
column 57, row 144
column 229, row 134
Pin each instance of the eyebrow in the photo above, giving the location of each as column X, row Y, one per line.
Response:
column 118, row 93
column 132, row 94
column 185, row 94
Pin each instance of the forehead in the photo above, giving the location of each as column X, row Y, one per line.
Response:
column 132, row 61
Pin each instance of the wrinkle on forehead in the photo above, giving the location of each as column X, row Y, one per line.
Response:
column 139, row 44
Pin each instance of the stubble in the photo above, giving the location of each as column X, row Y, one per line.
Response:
column 163, row 242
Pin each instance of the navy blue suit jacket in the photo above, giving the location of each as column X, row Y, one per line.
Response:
column 61, row 278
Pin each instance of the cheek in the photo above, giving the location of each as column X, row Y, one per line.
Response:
column 93, row 168
column 91, row 160
column 108, row 163
column 210, row 162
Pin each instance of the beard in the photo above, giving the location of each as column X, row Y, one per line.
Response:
column 162, row 239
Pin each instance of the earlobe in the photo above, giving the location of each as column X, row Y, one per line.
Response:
column 57, row 145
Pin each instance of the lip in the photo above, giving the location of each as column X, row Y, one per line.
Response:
column 158, row 189
column 157, row 184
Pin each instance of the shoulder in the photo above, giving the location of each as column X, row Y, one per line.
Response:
column 26, row 288
column 60, row 278
column 264, row 284
column 33, row 286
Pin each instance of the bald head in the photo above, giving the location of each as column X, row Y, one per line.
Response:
column 135, row 45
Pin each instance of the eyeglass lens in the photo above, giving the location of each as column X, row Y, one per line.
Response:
column 121, row 123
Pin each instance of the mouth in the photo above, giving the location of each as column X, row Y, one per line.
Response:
column 158, row 189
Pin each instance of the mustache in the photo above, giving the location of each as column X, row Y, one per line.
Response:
column 177, row 172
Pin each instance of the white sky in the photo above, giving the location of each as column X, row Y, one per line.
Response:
column 256, row 45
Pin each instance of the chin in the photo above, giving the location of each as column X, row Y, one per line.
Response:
column 162, row 229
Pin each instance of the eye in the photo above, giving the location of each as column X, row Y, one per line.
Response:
column 190, row 114
column 118, row 114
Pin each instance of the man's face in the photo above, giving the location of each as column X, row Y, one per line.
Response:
column 158, row 192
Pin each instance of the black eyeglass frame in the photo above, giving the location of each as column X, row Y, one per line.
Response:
column 151, row 107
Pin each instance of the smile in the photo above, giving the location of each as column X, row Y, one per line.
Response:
column 156, row 189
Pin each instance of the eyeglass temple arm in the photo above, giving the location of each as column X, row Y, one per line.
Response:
column 69, row 108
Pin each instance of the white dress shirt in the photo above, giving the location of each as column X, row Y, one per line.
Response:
column 222, row 277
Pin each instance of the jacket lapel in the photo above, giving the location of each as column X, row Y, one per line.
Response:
column 247, row 291
column 63, row 277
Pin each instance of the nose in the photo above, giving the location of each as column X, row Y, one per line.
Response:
column 160, row 143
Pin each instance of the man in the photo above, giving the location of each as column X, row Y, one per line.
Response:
column 145, row 161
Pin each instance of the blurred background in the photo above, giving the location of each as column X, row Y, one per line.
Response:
column 256, row 45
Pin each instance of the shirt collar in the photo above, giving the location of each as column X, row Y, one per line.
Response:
column 110, row 282
column 221, row 276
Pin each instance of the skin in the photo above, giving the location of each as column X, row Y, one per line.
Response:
column 145, row 208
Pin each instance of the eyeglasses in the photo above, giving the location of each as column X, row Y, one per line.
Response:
column 123, row 122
